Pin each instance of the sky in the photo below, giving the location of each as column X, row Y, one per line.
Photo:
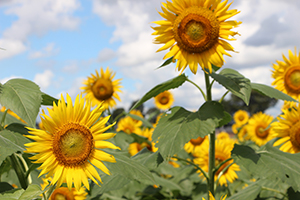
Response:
column 57, row 44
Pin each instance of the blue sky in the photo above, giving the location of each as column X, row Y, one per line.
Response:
column 58, row 43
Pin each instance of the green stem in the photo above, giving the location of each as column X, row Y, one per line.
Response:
column 212, row 138
column 3, row 120
column 49, row 191
column 19, row 171
column 273, row 190
column 203, row 172
column 220, row 101
column 203, row 94
column 27, row 172
column 222, row 163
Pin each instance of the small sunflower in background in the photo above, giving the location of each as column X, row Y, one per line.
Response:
column 101, row 87
column 164, row 100
column 137, row 113
column 222, row 152
column 196, row 32
column 63, row 193
column 257, row 128
column 194, row 144
column 287, row 128
column 129, row 125
column 241, row 117
column 70, row 146
column 287, row 75
column 211, row 197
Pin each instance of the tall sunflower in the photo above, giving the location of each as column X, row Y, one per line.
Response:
column 287, row 75
column 195, row 32
column 257, row 128
column 287, row 128
column 222, row 152
column 164, row 100
column 70, row 146
column 101, row 87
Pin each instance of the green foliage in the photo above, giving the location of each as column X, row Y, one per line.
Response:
column 167, row 62
column 170, row 84
column 23, row 97
column 48, row 100
column 31, row 192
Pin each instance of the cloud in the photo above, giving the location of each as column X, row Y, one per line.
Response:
column 36, row 18
column 44, row 79
column 106, row 54
column 47, row 51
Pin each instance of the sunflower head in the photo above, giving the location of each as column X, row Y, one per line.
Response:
column 129, row 125
column 164, row 100
column 195, row 32
column 194, row 144
column 100, row 87
column 63, row 193
column 241, row 117
column 287, row 75
column 70, row 145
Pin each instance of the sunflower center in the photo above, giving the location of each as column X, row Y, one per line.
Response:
column 241, row 117
column 196, row 29
column 219, row 160
column 292, row 79
column 295, row 135
column 102, row 89
column 261, row 132
column 73, row 144
column 62, row 193
column 164, row 100
column 197, row 141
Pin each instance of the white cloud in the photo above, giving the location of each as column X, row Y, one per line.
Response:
column 47, row 51
column 36, row 18
column 44, row 79
column 106, row 54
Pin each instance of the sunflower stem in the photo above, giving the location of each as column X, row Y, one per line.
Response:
column 212, row 138
column 273, row 190
column 49, row 191
column 220, row 101
column 203, row 94
column 19, row 171
column 3, row 120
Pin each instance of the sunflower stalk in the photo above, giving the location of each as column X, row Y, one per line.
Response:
column 202, row 92
column 3, row 119
column 16, row 164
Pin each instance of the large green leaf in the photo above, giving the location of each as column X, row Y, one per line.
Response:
column 130, row 169
column 32, row 192
column 23, row 97
column 167, row 62
column 170, row 84
column 149, row 159
column 136, row 117
column 234, row 82
column 271, row 92
column 9, row 119
column 249, row 193
column 48, row 100
column 269, row 162
column 11, row 142
column 174, row 130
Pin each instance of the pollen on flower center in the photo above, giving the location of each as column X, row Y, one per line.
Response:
column 292, row 79
column 102, row 89
column 261, row 132
column 73, row 144
column 295, row 135
column 196, row 29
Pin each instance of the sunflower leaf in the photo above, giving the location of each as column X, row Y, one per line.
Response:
column 48, row 100
column 284, row 165
column 23, row 97
column 167, row 62
column 271, row 92
column 234, row 82
column 11, row 142
column 174, row 130
column 250, row 192
column 33, row 191
column 170, row 84
column 136, row 117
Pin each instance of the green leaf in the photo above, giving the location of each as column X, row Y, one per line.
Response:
column 130, row 169
column 11, row 142
column 149, row 159
column 271, row 92
column 174, row 130
column 136, row 117
column 236, row 83
column 23, row 97
column 9, row 119
column 4, row 186
column 250, row 192
column 167, row 62
column 170, row 84
column 19, row 128
column 48, row 100
column 31, row 192
column 12, row 194
column 269, row 162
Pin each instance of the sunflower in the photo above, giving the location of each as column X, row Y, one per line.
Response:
column 257, row 128
column 211, row 197
column 139, row 114
column 102, row 87
column 164, row 100
column 241, row 117
column 63, row 193
column 222, row 152
column 129, row 125
column 287, row 75
column 195, row 32
column 70, row 146
column 243, row 134
column 194, row 144
column 287, row 128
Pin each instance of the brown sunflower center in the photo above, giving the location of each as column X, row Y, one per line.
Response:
column 196, row 29
column 62, row 193
column 241, row 117
column 295, row 135
column 102, row 89
column 164, row 100
column 73, row 144
column 261, row 132
column 292, row 79
column 197, row 141
column 219, row 160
